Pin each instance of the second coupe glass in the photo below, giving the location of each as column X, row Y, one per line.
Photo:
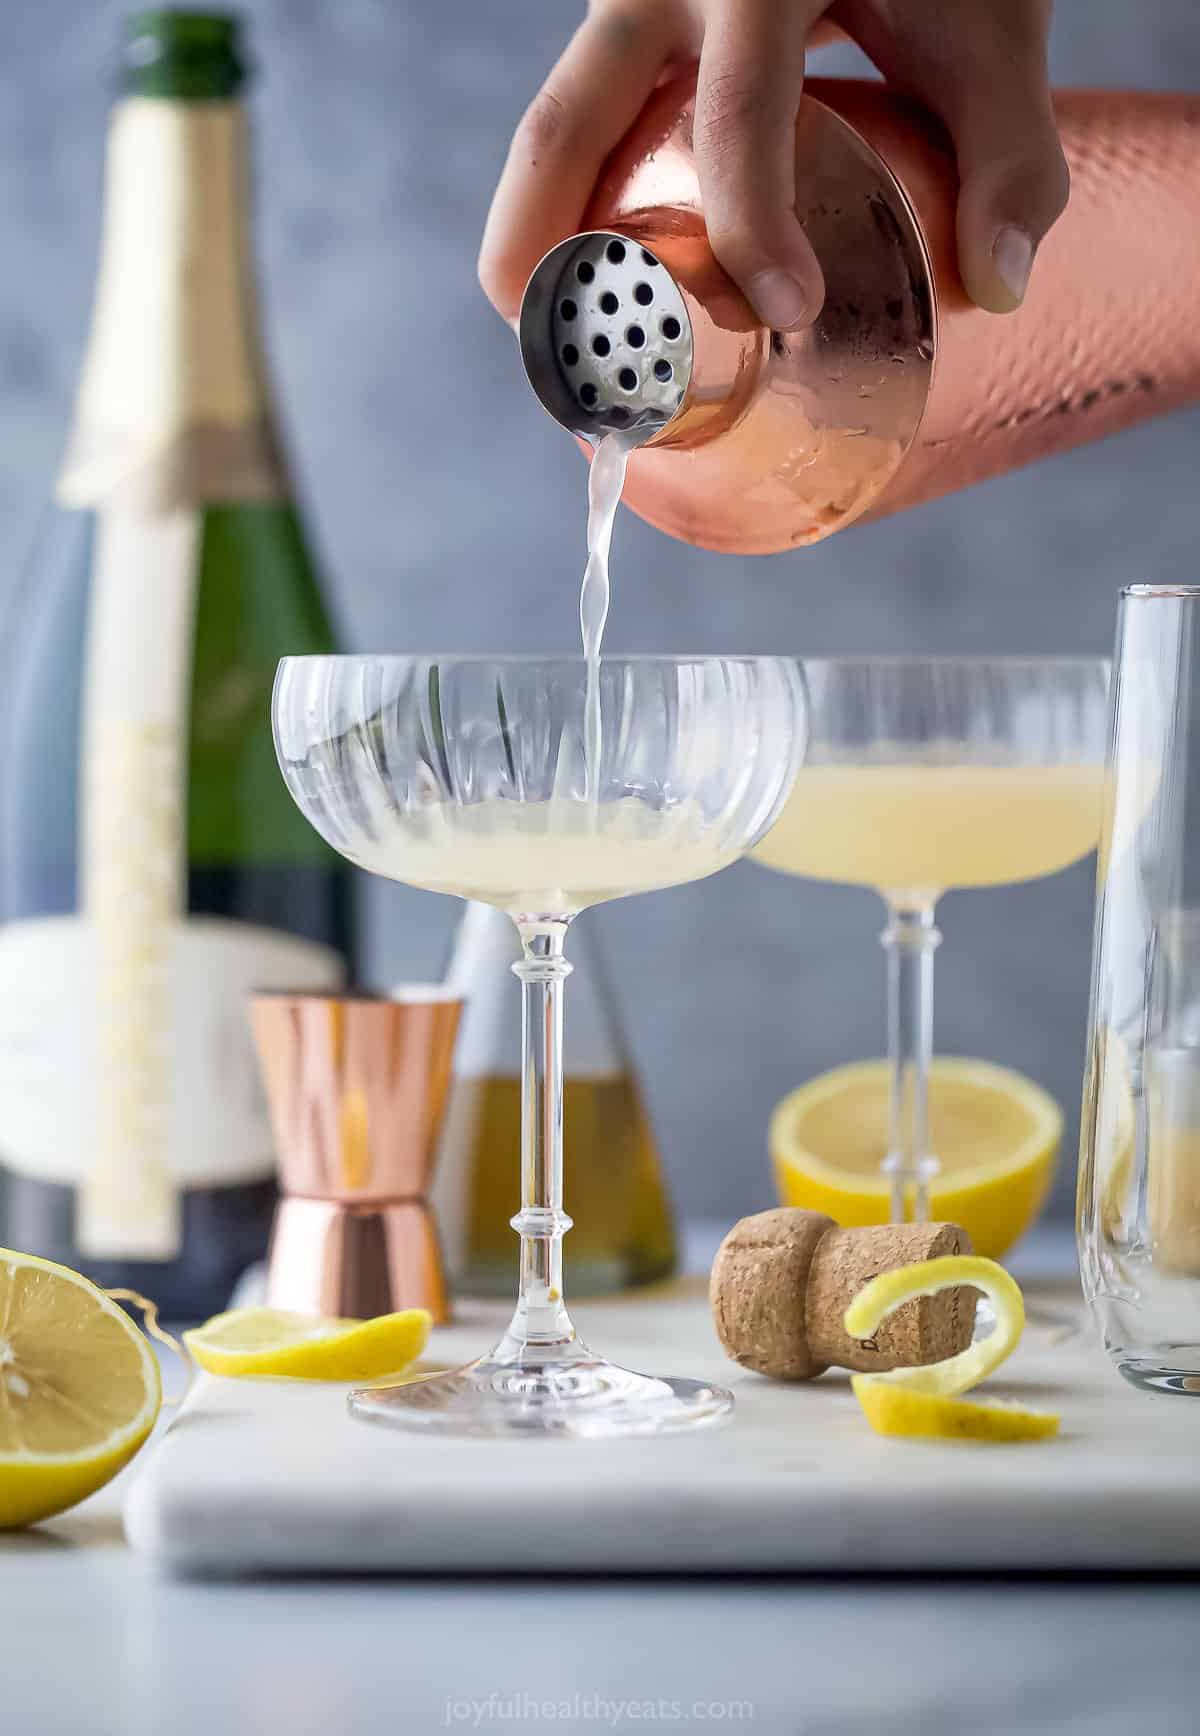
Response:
column 924, row 774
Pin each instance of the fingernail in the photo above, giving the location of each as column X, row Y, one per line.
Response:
column 1012, row 255
column 779, row 299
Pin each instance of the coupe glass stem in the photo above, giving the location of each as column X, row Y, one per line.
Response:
column 541, row 1321
column 910, row 941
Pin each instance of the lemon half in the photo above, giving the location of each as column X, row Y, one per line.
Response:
column 79, row 1388
column 995, row 1133
column 274, row 1342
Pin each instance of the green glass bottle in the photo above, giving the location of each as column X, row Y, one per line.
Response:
column 153, row 869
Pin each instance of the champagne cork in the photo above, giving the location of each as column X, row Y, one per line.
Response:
column 782, row 1281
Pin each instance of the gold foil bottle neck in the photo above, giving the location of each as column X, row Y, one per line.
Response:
column 183, row 421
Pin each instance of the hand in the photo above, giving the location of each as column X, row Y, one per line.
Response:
column 979, row 64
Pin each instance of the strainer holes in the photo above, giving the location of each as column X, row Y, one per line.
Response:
column 663, row 371
column 615, row 252
column 643, row 294
column 570, row 355
column 600, row 345
column 619, row 414
column 635, row 337
column 588, row 395
column 649, row 257
column 567, row 309
column 609, row 302
column 627, row 380
column 585, row 272
column 671, row 328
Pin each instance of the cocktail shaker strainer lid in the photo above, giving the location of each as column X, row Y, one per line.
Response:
column 605, row 336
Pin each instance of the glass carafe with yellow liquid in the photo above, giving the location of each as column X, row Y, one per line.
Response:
column 616, row 1194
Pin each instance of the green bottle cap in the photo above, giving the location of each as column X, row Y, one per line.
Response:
column 191, row 56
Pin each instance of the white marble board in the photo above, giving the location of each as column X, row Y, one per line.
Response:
column 274, row 1476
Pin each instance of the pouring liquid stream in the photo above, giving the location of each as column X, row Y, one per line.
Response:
column 606, row 479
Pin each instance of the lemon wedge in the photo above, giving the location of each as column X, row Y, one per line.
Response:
column 924, row 1401
column 273, row 1342
column 996, row 1135
column 79, row 1389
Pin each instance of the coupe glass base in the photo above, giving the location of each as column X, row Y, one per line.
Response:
column 1176, row 1371
column 574, row 1396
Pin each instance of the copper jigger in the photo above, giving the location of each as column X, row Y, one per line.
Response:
column 356, row 1088
column 755, row 441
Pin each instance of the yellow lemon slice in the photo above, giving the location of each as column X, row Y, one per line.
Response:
column 924, row 1401
column 271, row 1341
column 996, row 1135
column 79, row 1389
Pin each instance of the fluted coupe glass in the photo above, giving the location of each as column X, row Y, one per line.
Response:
column 470, row 775
column 927, row 774
column 1139, row 1173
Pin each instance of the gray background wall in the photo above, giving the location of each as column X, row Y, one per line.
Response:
column 449, row 512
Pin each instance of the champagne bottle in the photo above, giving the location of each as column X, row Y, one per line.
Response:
column 153, row 869
column 614, row 1187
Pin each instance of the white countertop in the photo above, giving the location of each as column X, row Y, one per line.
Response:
column 93, row 1643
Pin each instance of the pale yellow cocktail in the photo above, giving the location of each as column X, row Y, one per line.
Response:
column 913, row 827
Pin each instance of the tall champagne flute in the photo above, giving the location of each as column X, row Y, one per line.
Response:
column 925, row 774
column 472, row 776
column 1139, row 1150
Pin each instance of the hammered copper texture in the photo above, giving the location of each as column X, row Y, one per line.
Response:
column 1107, row 337
column 1108, row 334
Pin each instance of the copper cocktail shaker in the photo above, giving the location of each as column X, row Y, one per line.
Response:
column 356, row 1088
column 755, row 441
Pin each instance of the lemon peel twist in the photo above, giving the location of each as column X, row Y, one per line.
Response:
column 925, row 1401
